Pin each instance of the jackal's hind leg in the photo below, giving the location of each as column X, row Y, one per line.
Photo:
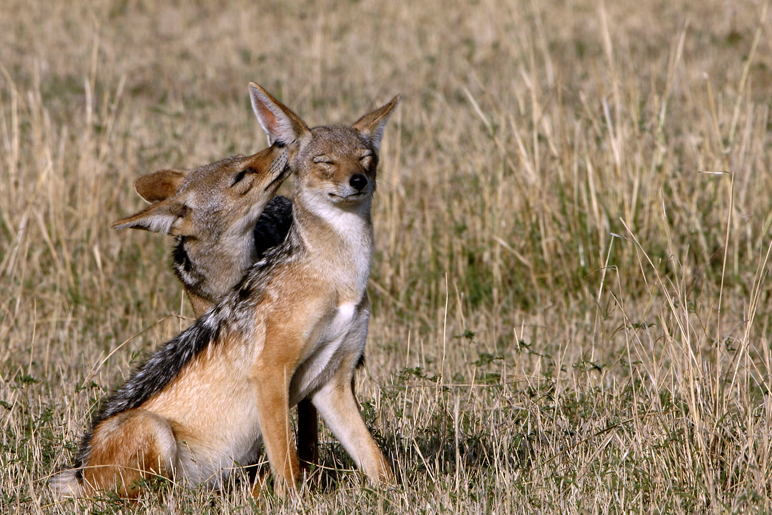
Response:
column 127, row 448
column 308, row 435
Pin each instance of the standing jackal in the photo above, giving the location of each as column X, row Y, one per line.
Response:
column 295, row 327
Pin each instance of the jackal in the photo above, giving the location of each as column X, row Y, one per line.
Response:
column 295, row 327
column 213, row 212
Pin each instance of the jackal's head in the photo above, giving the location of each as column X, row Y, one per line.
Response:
column 216, row 202
column 334, row 166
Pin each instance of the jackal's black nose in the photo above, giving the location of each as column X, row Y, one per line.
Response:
column 358, row 181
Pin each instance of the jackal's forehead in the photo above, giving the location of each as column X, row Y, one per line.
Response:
column 338, row 140
column 212, row 180
column 215, row 171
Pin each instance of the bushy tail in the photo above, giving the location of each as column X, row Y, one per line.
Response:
column 66, row 484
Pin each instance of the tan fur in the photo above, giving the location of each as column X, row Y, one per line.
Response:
column 295, row 329
column 134, row 445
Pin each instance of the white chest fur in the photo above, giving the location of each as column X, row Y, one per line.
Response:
column 344, row 335
column 344, row 317
column 352, row 252
column 336, row 337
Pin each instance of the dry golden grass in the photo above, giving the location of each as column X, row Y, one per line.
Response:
column 570, row 314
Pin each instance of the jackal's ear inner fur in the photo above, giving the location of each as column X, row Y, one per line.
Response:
column 277, row 120
column 165, row 217
column 373, row 124
column 160, row 185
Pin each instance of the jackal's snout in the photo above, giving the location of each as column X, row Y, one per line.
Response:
column 278, row 172
column 358, row 181
column 357, row 186
column 347, row 186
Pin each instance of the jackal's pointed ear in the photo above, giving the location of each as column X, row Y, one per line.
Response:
column 276, row 119
column 166, row 217
column 373, row 124
column 160, row 185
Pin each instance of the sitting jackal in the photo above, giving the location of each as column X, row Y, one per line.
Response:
column 295, row 327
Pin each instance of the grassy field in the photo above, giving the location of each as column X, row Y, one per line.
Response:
column 570, row 292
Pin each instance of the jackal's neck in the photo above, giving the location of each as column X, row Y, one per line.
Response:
column 208, row 272
column 337, row 240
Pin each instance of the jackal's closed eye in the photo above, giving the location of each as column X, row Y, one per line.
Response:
column 239, row 176
column 323, row 160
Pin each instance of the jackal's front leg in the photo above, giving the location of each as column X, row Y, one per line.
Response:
column 273, row 413
column 338, row 407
